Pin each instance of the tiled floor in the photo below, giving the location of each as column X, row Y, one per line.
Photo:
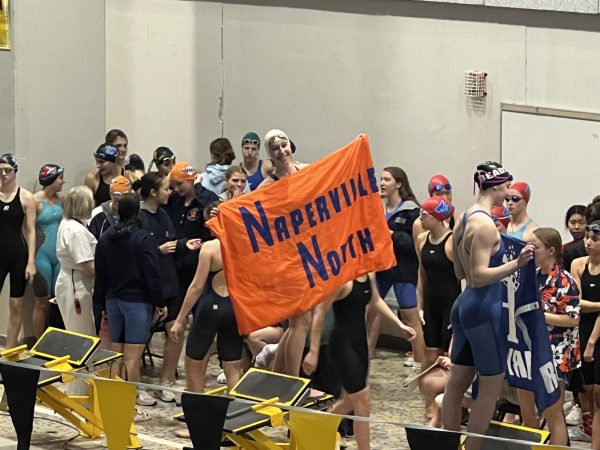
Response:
column 391, row 403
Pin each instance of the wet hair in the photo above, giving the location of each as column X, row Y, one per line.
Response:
column 592, row 211
column 135, row 162
column 221, row 152
column 400, row 176
column 210, row 207
column 233, row 170
column 129, row 210
column 551, row 239
column 150, row 180
column 112, row 136
column 575, row 209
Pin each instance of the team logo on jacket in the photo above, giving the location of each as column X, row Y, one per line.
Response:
column 400, row 220
column 193, row 214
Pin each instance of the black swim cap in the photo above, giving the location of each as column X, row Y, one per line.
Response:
column 49, row 173
column 489, row 174
column 9, row 158
column 162, row 154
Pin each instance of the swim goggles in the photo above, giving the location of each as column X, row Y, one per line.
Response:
column 513, row 198
column 250, row 141
column 439, row 187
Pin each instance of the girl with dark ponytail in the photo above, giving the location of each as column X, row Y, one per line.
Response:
column 154, row 191
column 127, row 286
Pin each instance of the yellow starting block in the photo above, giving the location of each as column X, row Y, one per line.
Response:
column 244, row 421
column 65, row 351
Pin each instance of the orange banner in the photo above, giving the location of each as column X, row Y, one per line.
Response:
column 288, row 246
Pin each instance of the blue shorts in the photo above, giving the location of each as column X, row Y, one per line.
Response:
column 406, row 293
column 129, row 322
column 478, row 334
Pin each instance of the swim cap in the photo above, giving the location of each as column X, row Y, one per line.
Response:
column 522, row 188
column 272, row 134
column 106, row 153
column 489, row 174
column 501, row 214
column 49, row 174
column 182, row 171
column 10, row 159
column 120, row 185
column 251, row 138
column 438, row 207
column 438, row 183
column 162, row 154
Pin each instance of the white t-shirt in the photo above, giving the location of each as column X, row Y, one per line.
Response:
column 74, row 244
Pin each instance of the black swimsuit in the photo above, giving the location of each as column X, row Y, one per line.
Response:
column 13, row 248
column 440, row 290
column 348, row 347
column 590, row 291
column 214, row 316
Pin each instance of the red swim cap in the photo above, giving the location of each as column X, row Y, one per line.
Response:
column 501, row 214
column 438, row 183
column 438, row 207
column 522, row 188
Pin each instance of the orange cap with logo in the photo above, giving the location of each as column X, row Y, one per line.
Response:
column 182, row 171
column 120, row 184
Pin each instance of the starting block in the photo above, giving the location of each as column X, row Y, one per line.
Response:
column 61, row 351
column 244, row 420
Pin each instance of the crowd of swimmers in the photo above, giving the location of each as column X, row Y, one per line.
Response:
column 128, row 252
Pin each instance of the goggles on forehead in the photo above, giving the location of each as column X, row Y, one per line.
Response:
column 439, row 187
column 166, row 160
column 593, row 228
column 251, row 141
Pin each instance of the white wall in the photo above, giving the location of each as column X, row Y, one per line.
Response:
column 59, row 90
column 163, row 75
column 325, row 76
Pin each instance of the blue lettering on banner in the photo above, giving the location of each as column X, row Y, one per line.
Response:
column 252, row 224
column 258, row 224
column 313, row 259
column 530, row 361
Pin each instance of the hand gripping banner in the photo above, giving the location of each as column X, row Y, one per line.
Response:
column 288, row 246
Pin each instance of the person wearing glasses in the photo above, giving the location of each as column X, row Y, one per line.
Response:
column 164, row 160
column 17, row 242
column 559, row 297
column 106, row 215
column 521, row 226
column 586, row 271
column 256, row 169
column 437, row 287
column 106, row 170
column 479, row 345
column 49, row 210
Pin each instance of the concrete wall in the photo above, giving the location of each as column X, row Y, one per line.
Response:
column 180, row 73
column 326, row 73
column 59, row 89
